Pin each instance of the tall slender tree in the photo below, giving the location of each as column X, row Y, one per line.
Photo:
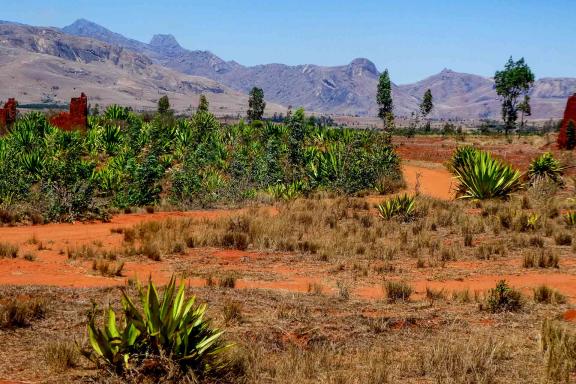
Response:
column 256, row 104
column 427, row 104
column 525, row 108
column 384, row 100
column 514, row 81
column 163, row 105
column 203, row 104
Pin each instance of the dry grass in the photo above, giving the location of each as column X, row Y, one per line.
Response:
column 559, row 348
column 61, row 355
column 397, row 291
column 8, row 250
column 18, row 312
column 542, row 258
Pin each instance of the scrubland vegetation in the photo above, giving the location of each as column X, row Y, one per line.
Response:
column 380, row 289
column 125, row 160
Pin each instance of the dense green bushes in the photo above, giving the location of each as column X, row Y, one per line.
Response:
column 126, row 160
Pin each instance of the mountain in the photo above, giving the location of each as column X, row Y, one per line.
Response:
column 348, row 89
column 48, row 65
column 87, row 56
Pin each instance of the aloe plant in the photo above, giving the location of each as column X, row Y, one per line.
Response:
column 398, row 206
column 480, row 176
column 545, row 167
column 168, row 325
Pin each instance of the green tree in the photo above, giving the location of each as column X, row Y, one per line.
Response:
column 427, row 104
column 514, row 81
column 163, row 105
column 203, row 104
column 256, row 104
column 525, row 108
column 384, row 99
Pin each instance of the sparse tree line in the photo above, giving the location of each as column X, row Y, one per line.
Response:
column 512, row 84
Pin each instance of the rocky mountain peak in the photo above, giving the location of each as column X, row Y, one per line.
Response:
column 360, row 66
column 165, row 42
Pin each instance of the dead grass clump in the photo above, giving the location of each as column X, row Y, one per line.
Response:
column 315, row 289
column 83, row 252
column 397, row 291
column 542, row 258
column 18, row 312
column 107, row 268
column 563, row 238
column 129, row 235
column 8, row 251
column 475, row 360
column 559, row 348
column 546, row 295
column 151, row 250
column 61, row 355
column 232, row 312
column 435, row 294
column 227, row 281
column 29, row 256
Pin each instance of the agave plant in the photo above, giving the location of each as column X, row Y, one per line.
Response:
column 116, row 112
column 545, row 167
column 166, row 326
column 286, row 191
column 480, row 176
column 570, row 218
column 460, row 157
column 398, row 206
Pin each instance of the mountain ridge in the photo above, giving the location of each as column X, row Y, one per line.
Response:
column 347, row 89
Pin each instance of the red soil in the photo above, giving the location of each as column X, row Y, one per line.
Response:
column 433, row 182
column 52, row 266
column 570, row 316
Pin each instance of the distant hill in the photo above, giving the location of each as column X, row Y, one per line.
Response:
column 49, row 66
column 162, row 65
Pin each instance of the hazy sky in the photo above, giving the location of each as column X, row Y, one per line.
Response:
column 412, row 38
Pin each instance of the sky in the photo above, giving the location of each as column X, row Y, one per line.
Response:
column 412, row 38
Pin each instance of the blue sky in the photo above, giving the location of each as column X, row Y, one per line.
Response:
column 412, row 38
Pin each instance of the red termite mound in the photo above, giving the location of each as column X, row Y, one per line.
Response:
column 8, row 114
column 77, row 118
column 569, row 116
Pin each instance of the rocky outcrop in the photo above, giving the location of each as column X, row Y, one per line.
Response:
column 569, row 118
column 8, row 114
column 76, row 119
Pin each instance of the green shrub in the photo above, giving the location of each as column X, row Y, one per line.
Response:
column 166, row 327
column 545, row 168
column 480, row 176
column 503, row 299
column 398, row 206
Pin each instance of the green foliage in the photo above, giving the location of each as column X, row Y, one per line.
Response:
column 427, row 104
column 384, row 99
column 570, row 218
column 514, row 81
column 480, row 176
column 503, row 299
column 545, row 168
column 203, row 105
column 163, row 105
column 286, row 191
column 401, row 206
column 166, row 326
column 125, row 160
column 256, row 104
